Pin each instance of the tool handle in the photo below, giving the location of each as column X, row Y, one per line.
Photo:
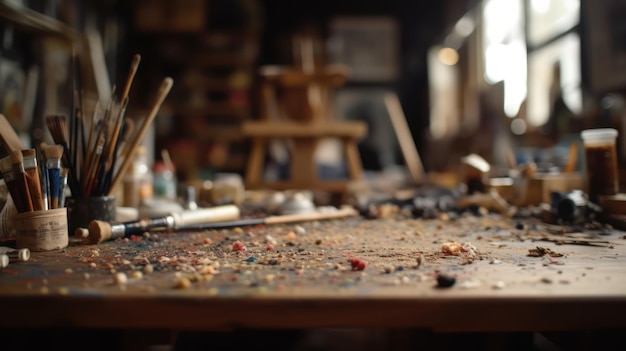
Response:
column 205, row 215
column 312, row 216
column 141, row 226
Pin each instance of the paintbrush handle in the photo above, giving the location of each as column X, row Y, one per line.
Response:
column 131, row 75
column 166, row 85
column 138, row 227
column 313, row 216
column 53, row 186
column 305, row 217
column 205, row 215
column 24, row 185
column 222, row 225
column 62, row 189
column 33, row 180
column 72, row 176
column 44, row 186
column 15, row 191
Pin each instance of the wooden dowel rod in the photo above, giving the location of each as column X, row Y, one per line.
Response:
column 131, row 76
column 166, row 85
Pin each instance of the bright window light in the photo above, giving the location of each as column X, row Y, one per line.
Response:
column 549, row 18
column 540, row 6
column 566, row 53
column 505, row 50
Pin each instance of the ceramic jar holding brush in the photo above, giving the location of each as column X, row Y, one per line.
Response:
column 42, row 230
column 82, row 210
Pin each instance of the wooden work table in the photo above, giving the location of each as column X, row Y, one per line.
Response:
column 199, row 282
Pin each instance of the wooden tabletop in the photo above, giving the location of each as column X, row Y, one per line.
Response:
column 509, row 275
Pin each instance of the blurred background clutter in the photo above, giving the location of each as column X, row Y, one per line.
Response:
column 267, row 92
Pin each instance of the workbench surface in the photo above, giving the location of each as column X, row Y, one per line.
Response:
column 510, row 274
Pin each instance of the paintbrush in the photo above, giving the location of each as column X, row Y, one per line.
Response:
column 53, row 155
column 17, row 161
column 131, row 76
column 10, row 178
column 91, row 176
column 44, row 177
column 203, row 219
column 125, row 133
column 92, row 131
column 164, row 89
column 44, row 186
column 33, row 178
column 346, row 211
column 57, row 126
column 113, row 142
column 120, row 121
column 100, row 231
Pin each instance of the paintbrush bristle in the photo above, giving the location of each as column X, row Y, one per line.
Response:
column 29, row 153
column 53, row 151
column 57, row 125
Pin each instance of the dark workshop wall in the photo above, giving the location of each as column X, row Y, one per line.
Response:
column 420, row 22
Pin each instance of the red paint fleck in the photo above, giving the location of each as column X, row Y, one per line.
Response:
column 239, row 246
column 357, row 264
column 207, row 240
column 259, row 226
column 136, row 238
column 269, row 247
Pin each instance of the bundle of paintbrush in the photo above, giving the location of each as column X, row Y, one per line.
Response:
column 98, row 152
column 22, row 177
column 54, row 180
column 92, row 147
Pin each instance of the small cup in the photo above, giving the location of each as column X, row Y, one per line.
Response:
column 600, row 162
column 42, row 230
column 82, row 210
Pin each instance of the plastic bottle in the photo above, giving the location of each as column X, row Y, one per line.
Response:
column 164, row 181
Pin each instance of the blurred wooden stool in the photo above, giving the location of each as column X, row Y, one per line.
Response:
column 295, row 106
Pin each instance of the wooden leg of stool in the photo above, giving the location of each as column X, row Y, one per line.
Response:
column 303, row 168
column 254, row 171
column 353, row 159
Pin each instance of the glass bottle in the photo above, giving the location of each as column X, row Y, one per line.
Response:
column 138, row 180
